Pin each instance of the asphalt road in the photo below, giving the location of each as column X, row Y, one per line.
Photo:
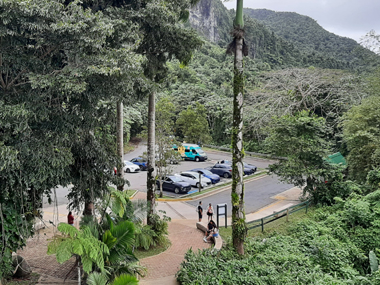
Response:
column 258, row 194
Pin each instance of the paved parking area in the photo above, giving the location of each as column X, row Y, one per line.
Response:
column 138, row 180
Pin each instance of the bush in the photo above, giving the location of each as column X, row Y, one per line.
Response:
column 330, row 247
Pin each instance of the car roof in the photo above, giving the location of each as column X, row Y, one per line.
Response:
column 190, row 172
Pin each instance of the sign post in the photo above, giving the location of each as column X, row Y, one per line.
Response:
column 200, row 182
column 221, row 210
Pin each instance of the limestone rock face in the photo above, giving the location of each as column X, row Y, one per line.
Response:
column 203, row 18
column 21, row 267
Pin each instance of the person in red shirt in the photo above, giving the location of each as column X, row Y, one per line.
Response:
column 70, row 219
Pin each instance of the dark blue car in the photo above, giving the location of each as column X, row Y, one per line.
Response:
column 141, row 162
column 175, row 184
column 207, row 173
column 223, row 170
column 248, row 168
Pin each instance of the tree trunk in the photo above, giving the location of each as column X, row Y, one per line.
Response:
column 239, row 228
column 150, row 183
column 120, row 142
column 88, row 209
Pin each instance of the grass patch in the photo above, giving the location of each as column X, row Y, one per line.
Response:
column 279, row 226
column 32, row 280
column 246, row 153
column 142, row 253
column 131, row 192
column 128, row 147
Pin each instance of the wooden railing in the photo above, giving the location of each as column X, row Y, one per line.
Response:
column 277, row 215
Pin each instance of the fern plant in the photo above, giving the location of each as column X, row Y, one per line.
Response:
column 97, row 278
column 80, row 243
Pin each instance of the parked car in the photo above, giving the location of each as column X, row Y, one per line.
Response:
column 130, row 167
column 248, row 168
column 223, row 170
column 174, row 183
column 141, row 162
column 193, row 178
column 207, row 173
column 191, row 152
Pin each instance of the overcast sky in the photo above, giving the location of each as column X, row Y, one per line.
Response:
column 348, row 18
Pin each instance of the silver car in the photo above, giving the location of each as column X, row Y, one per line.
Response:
column 193, row 178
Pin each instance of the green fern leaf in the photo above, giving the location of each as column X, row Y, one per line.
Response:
column 125, row 280
column 373, row 262
column 87, row 264
column 64, row 251
column 67, row 229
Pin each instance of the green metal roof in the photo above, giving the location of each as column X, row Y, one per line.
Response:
column 337, row 158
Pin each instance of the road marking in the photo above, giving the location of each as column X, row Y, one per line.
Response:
column 267, row 207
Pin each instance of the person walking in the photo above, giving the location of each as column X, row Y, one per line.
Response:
column 210, row 212
column 70, row 219
column 200, row 211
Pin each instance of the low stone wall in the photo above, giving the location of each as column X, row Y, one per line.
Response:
column 218, row 242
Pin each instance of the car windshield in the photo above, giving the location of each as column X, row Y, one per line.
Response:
column 207, row 172
column 128, row 163
column 176, row 179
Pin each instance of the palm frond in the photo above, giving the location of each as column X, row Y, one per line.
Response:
column 124, row 232
column 125, row 280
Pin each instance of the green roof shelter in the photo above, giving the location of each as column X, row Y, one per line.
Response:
column 337, row 158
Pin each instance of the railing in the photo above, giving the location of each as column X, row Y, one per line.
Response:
column 277, row 215
column 268, row 156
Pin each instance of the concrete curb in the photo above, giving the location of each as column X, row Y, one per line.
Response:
column 216, row 191
column 133, row 195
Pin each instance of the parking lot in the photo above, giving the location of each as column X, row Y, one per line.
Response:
column 138, row 180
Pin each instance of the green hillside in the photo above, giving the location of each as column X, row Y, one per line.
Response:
column 311, row 39
column 281, row 39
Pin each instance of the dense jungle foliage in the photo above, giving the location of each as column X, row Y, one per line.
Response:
column 334, row 245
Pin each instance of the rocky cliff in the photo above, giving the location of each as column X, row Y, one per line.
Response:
column 212, row 20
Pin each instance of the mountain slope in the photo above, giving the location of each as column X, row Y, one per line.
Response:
column 280, row 39
column 309, row 37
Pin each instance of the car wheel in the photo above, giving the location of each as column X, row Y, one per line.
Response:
column 176, row 190
column 141, row 167
column 197, row 159
column 197, row 185
column 127, row 170
column 226, row 175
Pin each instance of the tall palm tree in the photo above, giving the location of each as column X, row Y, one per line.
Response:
column 239, row 49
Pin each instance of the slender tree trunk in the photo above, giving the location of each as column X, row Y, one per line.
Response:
column 88, row 208
column 150, row 183
column 239, row 228
column 120, row 142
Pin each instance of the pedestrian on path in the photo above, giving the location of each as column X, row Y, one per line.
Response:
column 200, row 211
column 210, row 212
column 70, row 219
